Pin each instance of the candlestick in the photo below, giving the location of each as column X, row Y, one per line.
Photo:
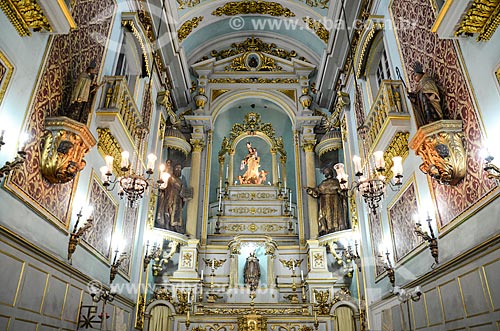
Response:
column 201, row 275
column 302, row 275
column 213, row 264
column 227, row 171
column 279, row 176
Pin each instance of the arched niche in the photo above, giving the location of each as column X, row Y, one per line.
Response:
column 167, row 311
column 345, row 315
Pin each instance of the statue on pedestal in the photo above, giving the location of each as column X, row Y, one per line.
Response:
column 83, row 93
column 426, row 99
column 251, row 272
column 332, row 204
column 252, row 162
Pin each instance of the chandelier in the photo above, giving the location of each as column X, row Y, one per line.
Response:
column 371, row 182
column 133, row 185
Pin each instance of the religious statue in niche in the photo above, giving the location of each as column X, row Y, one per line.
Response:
column 171, row 200
column 332, row 204
column 426, row 99
column 251, row 272
column 83, row 93
column 252, row 175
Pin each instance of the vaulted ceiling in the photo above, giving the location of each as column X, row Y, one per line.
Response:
column 314, row 30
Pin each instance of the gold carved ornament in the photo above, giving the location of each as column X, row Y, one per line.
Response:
column 187, row 3
column 253, row 7
column 318, row 28
column 64, row 144
column 240, row 63
column 316, row 3
column 440, row 145
column 253, row 80
column 25, row 15
column 256, row 45
column 141, row 309
column 188, row 27
column 131, row 25
column 322, row 298
column 397, row 147
column 482, row 18
column 108, row 145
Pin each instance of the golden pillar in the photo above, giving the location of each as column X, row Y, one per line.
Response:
column 194, row 182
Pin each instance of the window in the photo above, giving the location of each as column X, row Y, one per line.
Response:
column 378, row 67
column 129, row 62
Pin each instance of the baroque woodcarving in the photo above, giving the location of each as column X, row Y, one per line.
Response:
column 441, row 57
column 67, row 56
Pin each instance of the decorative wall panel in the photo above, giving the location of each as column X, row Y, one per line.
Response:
column 67, row 56
column 401, row 222
column 377, row 238
column 128, row 235
column 10, row 278
column 441, row 58
column 104, row 214
column 6, row 70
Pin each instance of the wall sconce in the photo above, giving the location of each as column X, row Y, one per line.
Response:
column 347, row 258
column 390, row 269
column 100, row 294
column 429, row 237
column 492, row 170
column 18, row 160
column 159, row 257
column 117, row 261
column 74, row 237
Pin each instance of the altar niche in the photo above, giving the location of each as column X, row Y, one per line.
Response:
column 255, row 165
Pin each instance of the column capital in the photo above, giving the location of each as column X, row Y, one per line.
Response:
column 308, row 145
column 198, row 144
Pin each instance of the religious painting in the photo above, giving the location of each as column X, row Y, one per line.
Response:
column 402, row 212
column 129, row 225
column 441, row 59
column 67, row 56
column 6, row 70
column 376, row 236
column 104, row 214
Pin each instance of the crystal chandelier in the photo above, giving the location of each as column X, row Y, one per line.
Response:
column 371, row 184
column 133, row 185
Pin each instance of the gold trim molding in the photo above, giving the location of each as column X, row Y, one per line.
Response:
column 130, row 23
column 482, row 18
column 8, row 74
column 25, row 15
column 318, row 28
column 373, row 26
column 188, row 27
column 234, row 8
column 108, row 145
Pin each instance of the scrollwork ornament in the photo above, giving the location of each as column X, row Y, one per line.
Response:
column 253, row 7
column 63, row 146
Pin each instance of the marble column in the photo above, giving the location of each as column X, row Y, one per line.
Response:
column 192, row 209
column 312, row 203
column 274, row 166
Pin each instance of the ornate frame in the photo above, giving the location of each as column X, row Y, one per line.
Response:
column 6, row 76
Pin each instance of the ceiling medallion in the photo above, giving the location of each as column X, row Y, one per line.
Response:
column 253, row 7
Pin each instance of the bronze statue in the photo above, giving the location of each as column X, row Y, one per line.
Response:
column 251, row 272
column 83, row 92
column 171, row 201
column 426, row 99
column 332, row 204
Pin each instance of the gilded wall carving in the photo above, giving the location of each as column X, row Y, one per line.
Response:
column 104, row 214
column 188, row 27
column 67, row 56
column 440, row 57
column 402, row 224
column 253, row 7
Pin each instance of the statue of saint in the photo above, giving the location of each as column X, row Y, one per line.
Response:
column 252, row 162
column 83, row 92
column 251, row 272
column 171, row 201
column 426, row 99
column 332, row 204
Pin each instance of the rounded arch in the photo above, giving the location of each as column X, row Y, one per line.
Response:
column 160, row 303
column 226, row 100
column 257, row 134
column 349, row 304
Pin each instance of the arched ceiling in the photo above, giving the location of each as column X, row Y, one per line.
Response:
column 307, row 27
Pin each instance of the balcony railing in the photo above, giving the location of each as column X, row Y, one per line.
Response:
column 118, row 111
column 388, row 115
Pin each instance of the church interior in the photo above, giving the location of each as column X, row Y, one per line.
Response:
column 249, row 165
